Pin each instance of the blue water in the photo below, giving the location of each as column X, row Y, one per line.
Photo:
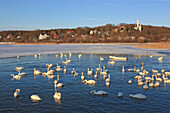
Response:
column 75, row 94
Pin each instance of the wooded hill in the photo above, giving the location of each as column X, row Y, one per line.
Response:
column 102, row 34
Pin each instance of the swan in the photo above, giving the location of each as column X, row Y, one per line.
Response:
column 89, row 72
column 51, row 76
column 140, row 83
column 123, row 70
column 79, row 55
column 137, row 96
column 100, row 92
column 39, row 55
column 18, row 77
column 58, row 68
column 17, row 93
column 158, row 74
column 72, row 72
column 158, row 79
column 151, row 84
column 108, row 79
column 111, row 62
column 101, row 59
column 148, row 78
column 49, row 66
column 95, row 76
column 105, row 69
column 154, row 71
column 65, row 69
column 35, row 56
column 156, row 84
column 104, row 76
column 160, row 58
column 37, row 72
column 17, row 57
column 120, row 94
column 103, row 72
column 130, row 82
column 82, row 76
column 99, row 68
column 69, row 54
column 107, row 84
column 19, row 69
column 65, row 62
column 167, row 81
column 76, row 74
column 137, row 70
column 89, row 81
column 57, row 95
column 35, row 97
column 136, row 77
column 167, row 73
column 61, row 55
column 162, row 70
column 145, row 86
column 58, row 84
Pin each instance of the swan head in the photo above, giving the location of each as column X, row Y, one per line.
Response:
column 17, row 90
column 55, row 81
column 131, row 95
column 84, row 81
column 93, row 91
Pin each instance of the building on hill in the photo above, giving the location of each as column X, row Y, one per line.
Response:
column 43, row 36
column 138, row 26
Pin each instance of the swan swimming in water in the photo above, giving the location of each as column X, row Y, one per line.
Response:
column 138, row 96
column 130, row 82
column 82, row 76
column 57, row 95
column 89, row 81
column 100, row 92
column 37, row 72
column 35, row 97
column 17, row 93
column 18, row 77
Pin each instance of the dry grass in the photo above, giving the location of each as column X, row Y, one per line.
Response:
column 159, row 45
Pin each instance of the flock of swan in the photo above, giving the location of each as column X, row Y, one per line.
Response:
column 143, row 79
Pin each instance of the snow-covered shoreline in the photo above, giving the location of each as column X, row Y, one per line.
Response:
column 7, row 51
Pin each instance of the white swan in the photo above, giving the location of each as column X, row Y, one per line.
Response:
column 158, row 79
column 111, row 62
column 58, row 84
column 89, row 81
column 101, row 59
column 154, row 71
column 76, row 74
column 130, row 82
column 57, row 95
column 17, row 93
column 58, row 68
column 69, row 54
column 156, row 84
column 37, row 72
column 72, row 72
column 162, row 70
column 105, row 69
column 95, row 76
column 107, row 84
column 123, row 70
column 167, row 81
column 79, row 55
column 18, row 77
column 35, row 97
column 145, row 86
column 139, row 82
column 51, row 76
column 151, row 84
column 108, row 79
column 160, row 58
column 82, row 76
column 138, row 96
column 65, row 70
column 89, row 72
column 100, row 92
column 103, row 72
column 99, row 68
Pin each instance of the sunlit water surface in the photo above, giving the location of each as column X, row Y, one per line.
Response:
column 75, row 94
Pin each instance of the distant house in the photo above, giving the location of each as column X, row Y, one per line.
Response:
column 43, row 36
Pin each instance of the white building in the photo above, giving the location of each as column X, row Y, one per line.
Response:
column 138, row 26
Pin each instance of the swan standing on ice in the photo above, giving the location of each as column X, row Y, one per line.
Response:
column 138, row 96
column 17, row 93
column 94, row 92
column 35, row 97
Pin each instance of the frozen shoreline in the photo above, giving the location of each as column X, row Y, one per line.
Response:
column 7, row 51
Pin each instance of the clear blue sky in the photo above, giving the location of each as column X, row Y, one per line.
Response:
column 51, row 14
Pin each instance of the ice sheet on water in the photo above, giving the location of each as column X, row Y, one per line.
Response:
column 25, row 50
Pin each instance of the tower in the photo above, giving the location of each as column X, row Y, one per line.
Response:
column 137, row 23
